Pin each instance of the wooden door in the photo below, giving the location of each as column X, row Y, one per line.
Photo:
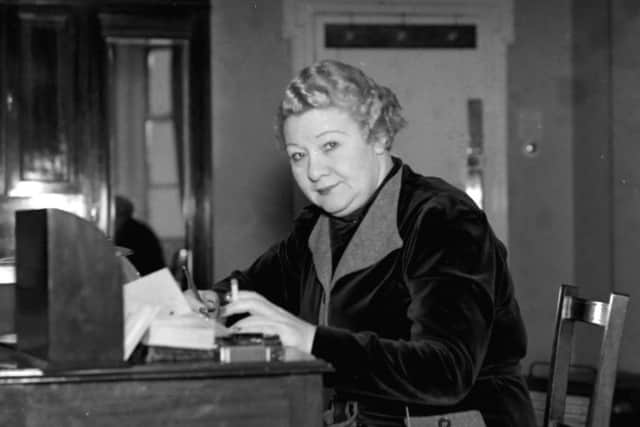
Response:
column 52, row 156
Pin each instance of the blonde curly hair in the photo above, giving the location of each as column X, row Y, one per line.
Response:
column 330, row 83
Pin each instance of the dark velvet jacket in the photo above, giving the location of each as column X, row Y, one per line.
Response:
column 420, row 312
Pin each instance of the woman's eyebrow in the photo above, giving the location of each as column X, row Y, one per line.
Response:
column 331, row 131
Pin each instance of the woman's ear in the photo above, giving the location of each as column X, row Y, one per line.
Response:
column 379, row 145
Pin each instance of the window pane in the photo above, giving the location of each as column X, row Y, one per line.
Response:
column 165, row 216
column 161, row 152
column 159, row 81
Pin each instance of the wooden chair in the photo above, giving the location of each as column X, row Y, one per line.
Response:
column 610, row 316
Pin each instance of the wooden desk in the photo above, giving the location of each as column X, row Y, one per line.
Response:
column 287, row 393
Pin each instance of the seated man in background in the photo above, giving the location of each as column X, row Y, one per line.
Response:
column 133, row 234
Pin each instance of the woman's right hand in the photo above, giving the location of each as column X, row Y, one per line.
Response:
column 211, row 305
column 267, row 318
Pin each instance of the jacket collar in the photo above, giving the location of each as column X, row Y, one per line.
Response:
column 376, row 236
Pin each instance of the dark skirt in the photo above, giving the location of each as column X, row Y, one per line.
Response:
column 503, row 401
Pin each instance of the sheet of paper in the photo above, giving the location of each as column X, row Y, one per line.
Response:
column 136, row 323
column 156, row 289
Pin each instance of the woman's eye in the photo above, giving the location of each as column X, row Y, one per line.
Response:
column 330, row 145
column 296, row 156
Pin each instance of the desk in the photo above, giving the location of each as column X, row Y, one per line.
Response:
column 287, row 393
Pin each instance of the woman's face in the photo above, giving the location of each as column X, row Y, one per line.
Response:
column 332, row 162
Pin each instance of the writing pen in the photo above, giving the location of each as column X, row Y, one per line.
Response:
column 234, row 289
column 205, row 310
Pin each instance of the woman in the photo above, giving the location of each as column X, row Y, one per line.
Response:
column 394, row 278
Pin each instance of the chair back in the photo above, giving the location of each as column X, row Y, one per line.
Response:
column 610, row 316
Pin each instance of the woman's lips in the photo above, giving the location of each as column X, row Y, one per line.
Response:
column 325, row 190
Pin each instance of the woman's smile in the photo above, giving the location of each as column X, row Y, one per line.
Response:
column 324, row 191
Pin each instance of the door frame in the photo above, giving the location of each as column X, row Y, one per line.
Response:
column 496, row 16
column 187, row 27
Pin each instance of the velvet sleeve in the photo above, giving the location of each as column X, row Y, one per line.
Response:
column 275, row 274
column 448, row 269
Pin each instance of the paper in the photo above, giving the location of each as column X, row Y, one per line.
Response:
column 145, row 298
column 156, row 289
column 26, row 372
column 136, row 323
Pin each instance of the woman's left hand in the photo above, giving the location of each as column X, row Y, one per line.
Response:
column 267, row 318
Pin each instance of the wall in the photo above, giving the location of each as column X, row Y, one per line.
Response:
column 252, row 189
column 540, row 186
column 592, row 158
column 592, row 147
column 625, row 177
column 606, row 152
column 575, row 206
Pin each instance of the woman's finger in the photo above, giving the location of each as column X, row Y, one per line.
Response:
column 297, row 333
column 249, row 296
column 192, row 300
column 258, row 324
column 253, row 305
column 210, row 298
column 253, row 302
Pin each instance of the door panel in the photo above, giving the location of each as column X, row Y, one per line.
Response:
column 48, row 161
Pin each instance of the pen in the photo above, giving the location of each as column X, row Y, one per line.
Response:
column 234, row 289
column 192, row 286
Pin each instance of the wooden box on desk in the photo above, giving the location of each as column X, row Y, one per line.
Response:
column 68, row 291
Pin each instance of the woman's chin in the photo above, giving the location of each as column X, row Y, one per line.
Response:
column 336, row 205
column 336, row 209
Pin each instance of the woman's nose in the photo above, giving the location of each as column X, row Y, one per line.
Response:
column 316, row 167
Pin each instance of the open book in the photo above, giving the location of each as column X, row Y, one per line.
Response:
column 158, row 314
